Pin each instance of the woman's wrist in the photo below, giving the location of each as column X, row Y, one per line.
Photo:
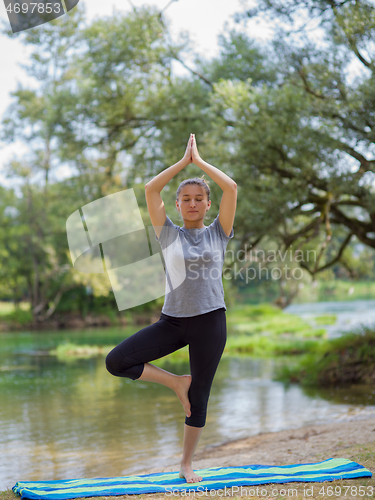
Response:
column 197, row 160
column 185, row 162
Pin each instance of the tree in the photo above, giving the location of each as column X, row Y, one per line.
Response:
column 96, row 89
column 282, row 120
column 301, row 145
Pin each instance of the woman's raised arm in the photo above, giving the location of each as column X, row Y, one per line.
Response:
column 155, row 204
column 228, row 202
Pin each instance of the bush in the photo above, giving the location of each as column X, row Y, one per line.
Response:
column 349, row 359
column 19, row 317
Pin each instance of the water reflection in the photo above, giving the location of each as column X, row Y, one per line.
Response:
column 248, row 402
column 65, row 420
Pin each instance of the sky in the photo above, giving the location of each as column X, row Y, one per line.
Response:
column 202, row 19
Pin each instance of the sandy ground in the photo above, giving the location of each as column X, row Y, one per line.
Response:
column 312, row 443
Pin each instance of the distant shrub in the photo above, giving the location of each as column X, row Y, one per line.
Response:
column 349, row 359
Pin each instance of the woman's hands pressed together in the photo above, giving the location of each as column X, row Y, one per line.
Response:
column 194, row 151
column 191, row 154
column 228, row 201
column 188, row 153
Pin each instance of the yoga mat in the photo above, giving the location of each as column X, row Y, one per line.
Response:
column 213, row 479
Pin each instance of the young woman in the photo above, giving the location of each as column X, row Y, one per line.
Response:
column 194, row 310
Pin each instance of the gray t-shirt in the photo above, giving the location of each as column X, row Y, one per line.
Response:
column 194, row 261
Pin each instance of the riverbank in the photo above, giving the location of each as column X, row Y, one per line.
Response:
column 352, row 438
column 325, row 291
column 70, row 321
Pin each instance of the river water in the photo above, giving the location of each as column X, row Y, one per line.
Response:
column 73, row 419
column 350, row 314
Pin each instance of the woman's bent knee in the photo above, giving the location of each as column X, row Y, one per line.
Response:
column 112, row 364
column 119, row 367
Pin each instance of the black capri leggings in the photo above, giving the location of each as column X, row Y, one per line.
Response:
column 206, row 336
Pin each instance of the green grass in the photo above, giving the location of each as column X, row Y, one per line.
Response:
column 266, row 330
column 8, row 495
column 69, row 350
column 260, row 345
column 8, row 307
column 326, row 319
column 20, row 317
column 15, row 317
column 262, row 330
column 268, row 319
column 348, row 359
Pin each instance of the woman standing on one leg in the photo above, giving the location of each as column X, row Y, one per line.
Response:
column 194, row 310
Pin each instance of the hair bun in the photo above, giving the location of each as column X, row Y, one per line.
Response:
column 205, row 180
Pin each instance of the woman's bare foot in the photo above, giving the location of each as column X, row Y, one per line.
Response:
column 188, row 473
column 182, row 390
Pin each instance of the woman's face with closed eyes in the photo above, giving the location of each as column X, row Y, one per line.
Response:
column 193, row 204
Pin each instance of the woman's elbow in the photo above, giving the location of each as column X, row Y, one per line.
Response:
column 149, row 186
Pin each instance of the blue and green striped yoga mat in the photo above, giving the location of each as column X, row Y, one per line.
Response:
column 213, row 479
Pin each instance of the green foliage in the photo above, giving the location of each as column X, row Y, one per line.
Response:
column 265, row 330
column 269, row 331
column 18, row 317
column 260, row 345
column 292, row 143
column 8, row 307
column 269, row 319
column 78, row 299
column 348, row 359
column 286, row 120
column 241, row 58
column 8, row 495
column 253, row 312
column 326, row 319
column 69, row 351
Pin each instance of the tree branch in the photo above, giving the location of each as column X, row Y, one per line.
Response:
column 290, row 238
column 357, row 227
column 307, row 87
column 333, row 261
column 354, row 47
column 199, row 75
